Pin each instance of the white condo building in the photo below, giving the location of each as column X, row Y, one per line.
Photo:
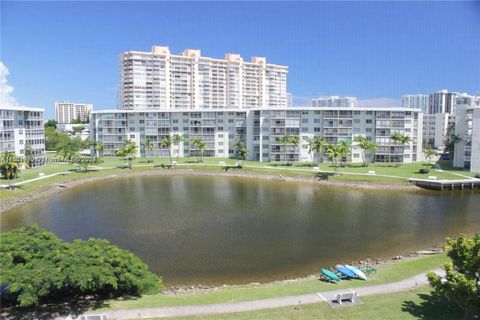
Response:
column 442, row 102
column 260, row 128
column 66, row 112
column 467, row 127
column 417, row 101
column 335, row 102
column 435, row 127
column 21, row 132
column 159, row 80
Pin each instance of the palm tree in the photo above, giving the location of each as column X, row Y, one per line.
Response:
column 333, row 153
column 129, row 151
column 10, row 166
column 316, row 146
column 286, row 140
column 241, row 151
column 98, row 147
column 147, row 147
column 365, row 145
column 429, row 153
column 200, row 146
column 345, row 149
column 176, row 138
column 400, row 139
column 295, row 141
column 167, row 143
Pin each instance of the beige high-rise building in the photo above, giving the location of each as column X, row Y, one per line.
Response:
column 161, row 80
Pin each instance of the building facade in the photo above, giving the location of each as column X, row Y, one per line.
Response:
column 467, row 127
column 159, row 80
column 334, row 102
column 66, row 112
column 260, row 128
column 22, row 132
column 442, row 102
column 435, row 128
column 417, row 101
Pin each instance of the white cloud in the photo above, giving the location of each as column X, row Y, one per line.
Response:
column 6, row 100
column 379, row 102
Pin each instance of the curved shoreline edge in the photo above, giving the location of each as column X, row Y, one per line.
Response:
column 55, row 187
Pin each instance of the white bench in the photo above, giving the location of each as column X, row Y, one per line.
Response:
column 371, row 172
column 41, row 174
column 348, row 296
column 432, row 177
column 316, row 168
column 222, row 163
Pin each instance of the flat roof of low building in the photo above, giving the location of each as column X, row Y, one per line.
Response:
column 21, row 108
column 262, row 109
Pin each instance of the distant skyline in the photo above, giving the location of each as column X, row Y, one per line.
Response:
column 376, row 51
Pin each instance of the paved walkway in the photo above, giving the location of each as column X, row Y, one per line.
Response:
column 34, row 179
column 403, row 285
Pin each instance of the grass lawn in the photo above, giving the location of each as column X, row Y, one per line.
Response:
column 415, row 304
column 386, row 273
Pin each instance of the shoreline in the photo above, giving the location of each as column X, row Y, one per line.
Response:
column 175, row 290
column 53, row 188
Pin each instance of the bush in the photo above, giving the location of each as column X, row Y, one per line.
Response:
column 36, row 264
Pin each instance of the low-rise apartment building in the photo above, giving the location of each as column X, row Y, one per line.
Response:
column 21, row 132
column 260, row 128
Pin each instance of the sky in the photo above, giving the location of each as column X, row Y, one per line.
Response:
column 376, row 51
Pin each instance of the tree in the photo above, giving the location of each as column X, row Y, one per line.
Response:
column 345, row 150
column 241, row 151
column 36, row 264
column 401, row 140
column 199, row 145
column 316, row 145
column 334, row 153
column 365, row 145
column 288, row 140
column 461, row 284
column 429, row 153
column 176, row 138
column 450, row 142
column 50, row 124
column 129, row 151
column 10, row 166
column 98, row 147
column 78, row 129
column 85, row 162
column 167, row 143
column 67, row 148
column 147, row 147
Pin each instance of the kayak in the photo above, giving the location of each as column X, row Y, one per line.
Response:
column 330, row 275
column 357, row 271
column 345, row 271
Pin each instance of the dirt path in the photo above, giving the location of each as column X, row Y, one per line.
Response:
column 403, row 285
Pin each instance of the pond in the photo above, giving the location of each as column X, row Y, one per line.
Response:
column 215, row 230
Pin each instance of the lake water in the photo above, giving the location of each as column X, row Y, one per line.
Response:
column 215, row 230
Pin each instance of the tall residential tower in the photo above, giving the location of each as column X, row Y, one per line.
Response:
column 160, row 80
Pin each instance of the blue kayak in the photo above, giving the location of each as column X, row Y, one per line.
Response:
column 359, row 273
column 345, row 271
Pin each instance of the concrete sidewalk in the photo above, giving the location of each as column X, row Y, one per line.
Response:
column 403, row 285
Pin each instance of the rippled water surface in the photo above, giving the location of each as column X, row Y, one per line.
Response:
column 231, row 230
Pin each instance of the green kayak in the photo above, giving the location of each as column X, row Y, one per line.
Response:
column 330, row 275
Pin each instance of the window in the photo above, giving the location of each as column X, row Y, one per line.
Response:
column 132, row 136
column 369, row 121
